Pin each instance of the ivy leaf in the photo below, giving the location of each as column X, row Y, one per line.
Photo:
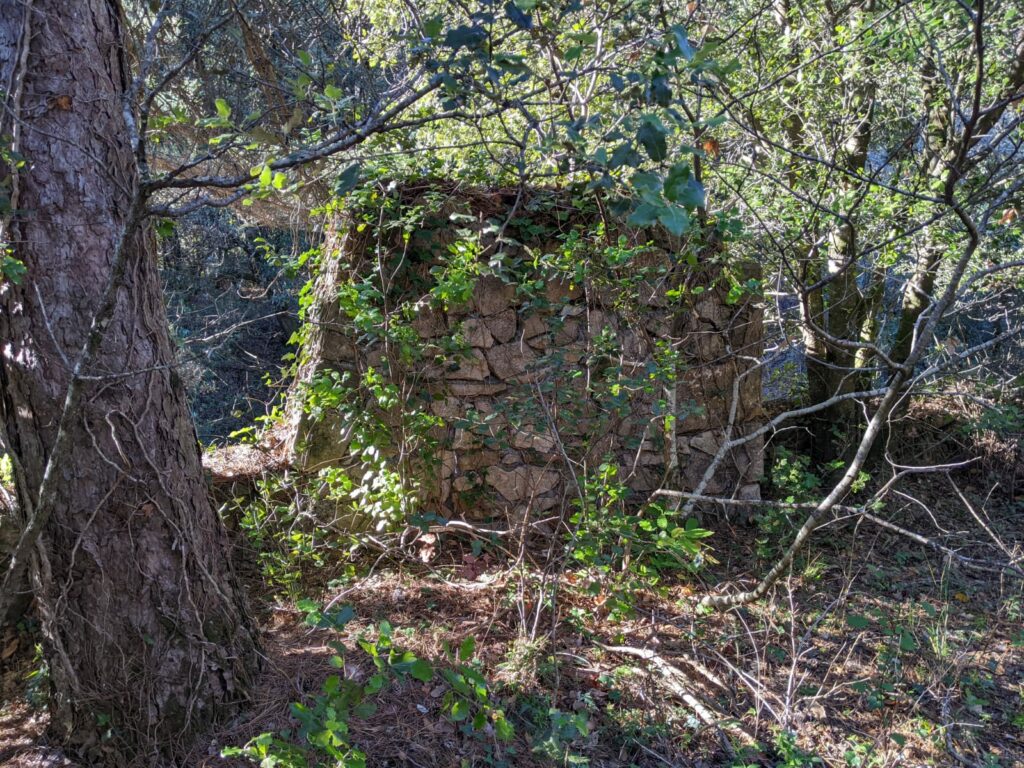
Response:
column 652, row 136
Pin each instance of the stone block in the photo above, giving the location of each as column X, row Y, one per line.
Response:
column 510, row 362
column 429, row 322
column 502, row 326
column 474, row 331
column 492, row 295
column 471, row 367
column 522, row 483
column 475, row 388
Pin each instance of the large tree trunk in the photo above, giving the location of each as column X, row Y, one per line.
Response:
column 146, row 632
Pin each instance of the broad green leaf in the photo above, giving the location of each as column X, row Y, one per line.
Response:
column 347, row 179
column 652, row 137
column 676, row 221
column 645, row 215
column 421, row 670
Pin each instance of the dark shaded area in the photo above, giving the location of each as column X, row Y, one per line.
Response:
column 232, row 304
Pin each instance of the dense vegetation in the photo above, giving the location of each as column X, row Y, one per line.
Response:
column 538, row 382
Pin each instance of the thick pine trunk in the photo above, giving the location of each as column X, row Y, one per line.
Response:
column 146, row 632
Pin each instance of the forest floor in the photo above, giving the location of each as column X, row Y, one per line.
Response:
column 875, row 651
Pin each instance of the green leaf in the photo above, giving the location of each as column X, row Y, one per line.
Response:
column 647, row 184
column 421, row 671
column 467, row 648
column 682, row 188
column 645, row 215
column 652, row 137
column 333, row 92
column 364, row 709
column 624, row 154
column 676, row 220
column 266, row 176
column 341, row 617
column 432, row 27
column 661, row 92
column 682, row 41
column 858, row 622
column 374, row 684
column 460, row 710
column 347, row 179
column 907, row 641
column 517, row 16
column 223, row 108
column 465, row 36
column 502, row 728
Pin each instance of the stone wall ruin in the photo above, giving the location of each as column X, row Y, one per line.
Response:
column 545, row 369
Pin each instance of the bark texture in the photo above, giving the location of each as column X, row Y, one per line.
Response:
column 840, row 310
column 146, row 631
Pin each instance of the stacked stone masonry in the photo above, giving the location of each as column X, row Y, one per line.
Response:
column 524, row 380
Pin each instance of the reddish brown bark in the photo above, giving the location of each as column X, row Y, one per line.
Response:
column 147, row 637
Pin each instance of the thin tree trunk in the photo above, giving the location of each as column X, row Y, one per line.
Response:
column 146, row 632
column 842, row 303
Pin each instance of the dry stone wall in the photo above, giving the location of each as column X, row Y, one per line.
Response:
column 537, row 379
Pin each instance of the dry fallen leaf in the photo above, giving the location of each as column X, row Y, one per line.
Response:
column 428, row 547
